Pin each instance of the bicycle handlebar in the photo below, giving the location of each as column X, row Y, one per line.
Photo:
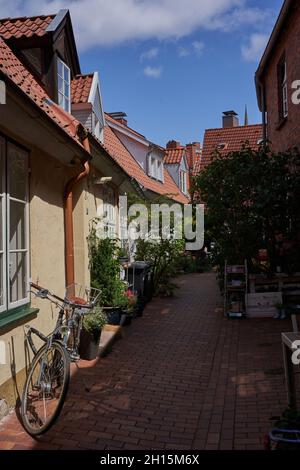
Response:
column 47, row 293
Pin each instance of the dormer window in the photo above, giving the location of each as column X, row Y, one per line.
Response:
column 222, row 146
column 63, row 85
column 155, row 168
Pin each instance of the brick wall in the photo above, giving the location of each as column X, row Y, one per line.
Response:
column 287, row 134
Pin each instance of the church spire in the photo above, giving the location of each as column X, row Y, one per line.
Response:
column 246, row 122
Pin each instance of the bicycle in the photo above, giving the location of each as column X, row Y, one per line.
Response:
column 48, row 379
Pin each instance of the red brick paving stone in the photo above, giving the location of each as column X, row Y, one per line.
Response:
column 203, row 383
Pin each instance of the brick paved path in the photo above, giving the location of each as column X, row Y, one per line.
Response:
column 183, row 377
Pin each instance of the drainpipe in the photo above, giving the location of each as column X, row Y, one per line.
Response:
column 263, row 107
column 68, row 215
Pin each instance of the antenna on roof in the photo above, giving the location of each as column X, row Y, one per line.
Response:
column 246, row 122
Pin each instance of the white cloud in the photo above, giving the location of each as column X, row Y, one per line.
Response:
column 196, row 48
column 106, row 22
column 151, row 54
column 153, row 72
column 183, row 52
column 255, row 48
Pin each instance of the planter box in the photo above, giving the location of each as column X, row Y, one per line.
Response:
column 262, row 305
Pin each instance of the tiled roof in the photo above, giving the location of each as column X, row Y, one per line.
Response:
column 15, row 71
column 24, row 26
column 174, row 156
column 81, row 87
column 128, row 163
column 229, row 140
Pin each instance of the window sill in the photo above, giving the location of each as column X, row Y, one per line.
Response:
column 281, row 123
column 12, row 318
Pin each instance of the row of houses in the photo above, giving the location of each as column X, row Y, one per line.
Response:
column 64, row 161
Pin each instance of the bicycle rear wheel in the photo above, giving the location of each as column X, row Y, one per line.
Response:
column 45, row 388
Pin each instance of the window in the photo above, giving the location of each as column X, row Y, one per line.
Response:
column 63, row 85
column 183, row 183
column 109, row 216
column 283, row 90
column 14, row 238
column 156, row 168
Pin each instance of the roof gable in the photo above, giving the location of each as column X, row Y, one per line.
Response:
column 55, row 31
column 123, row 157
column 229, row 140
column 174, row 156
column 18, row 75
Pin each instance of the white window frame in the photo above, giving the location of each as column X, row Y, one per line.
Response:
column 109, row 213
column 284, row 92
column 61, row 95
column 183, row 181
column 6, row 201
column 156, row 168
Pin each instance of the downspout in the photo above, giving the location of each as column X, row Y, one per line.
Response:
column 68, row 215
column 263, row 107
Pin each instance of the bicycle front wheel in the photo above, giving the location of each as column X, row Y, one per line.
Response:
column 45, row 388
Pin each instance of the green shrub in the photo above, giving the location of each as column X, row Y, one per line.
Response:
column 94, row 321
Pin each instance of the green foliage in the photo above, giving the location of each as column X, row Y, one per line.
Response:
column 251, row 198
column 104, row 266
column 94, row 321
column 164, row 256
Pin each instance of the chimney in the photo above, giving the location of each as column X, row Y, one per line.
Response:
column 230, row 119
column 193, row 152
column 120, row 117
column 173, row 144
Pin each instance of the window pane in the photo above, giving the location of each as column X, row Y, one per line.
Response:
column 66, row 73
column 17, row 166
column 66, row 89
column 17, row 276
column 67, row 105
column 60, row 84
column 1, row 281
column 60, row 68
column 17, row 237
column 60, row 99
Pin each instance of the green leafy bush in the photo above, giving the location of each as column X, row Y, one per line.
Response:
column 94, row 321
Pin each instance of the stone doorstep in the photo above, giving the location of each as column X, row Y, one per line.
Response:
column 109, row 335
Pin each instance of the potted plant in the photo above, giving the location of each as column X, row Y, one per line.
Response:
column 93, row 322
column 129, row 307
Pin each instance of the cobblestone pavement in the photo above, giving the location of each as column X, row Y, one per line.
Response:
column 183, row 377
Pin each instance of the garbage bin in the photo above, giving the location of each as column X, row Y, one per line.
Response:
column 140, row 278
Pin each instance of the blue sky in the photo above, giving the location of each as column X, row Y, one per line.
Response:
column 173, row 66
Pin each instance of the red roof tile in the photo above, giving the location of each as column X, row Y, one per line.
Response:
column 24, row 26
column 174, row 156
column 15, row 71
column 231, row 138
column 128, row 163
column 81, row 87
